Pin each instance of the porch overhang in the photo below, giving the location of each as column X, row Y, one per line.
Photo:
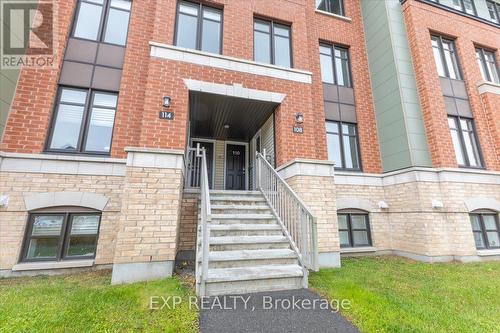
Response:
column 225, row 112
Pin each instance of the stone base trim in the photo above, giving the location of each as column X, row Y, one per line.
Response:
column 7, row 273
column 141, row 271
column 329, row 260
column 305, row 167
column 28, row 266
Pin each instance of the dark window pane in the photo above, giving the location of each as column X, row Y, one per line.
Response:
column 489, row 222
column 478, row 239
column 469, row 7
column 210, row 40
column 117, row 27
column 493, row 239
column 344, row 238
column 67, row 127
column 342, row 220
column 82, row 246
column 475, row 222
column 84, row 224
column 358, row 221
column 88, row 21
column 336, row 7
column 333, row 142
column 360, row 238
column 321, row 4
column 101, row 123
column 43, row 248
column 282, row 51
column 47, row 225
column 187, row 27
column 262, row 47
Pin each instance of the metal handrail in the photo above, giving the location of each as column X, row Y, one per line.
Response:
column 205, row 220
column 297, row 221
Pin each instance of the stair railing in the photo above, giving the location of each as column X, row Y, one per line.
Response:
column 297, row 221
column 204, row 223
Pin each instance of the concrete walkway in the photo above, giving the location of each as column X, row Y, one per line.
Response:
column 271, row 312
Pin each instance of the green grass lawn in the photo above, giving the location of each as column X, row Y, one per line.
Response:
column 390, row 294
column 87, row 302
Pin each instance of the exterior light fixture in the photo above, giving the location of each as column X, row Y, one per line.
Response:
column 166, row 101
column 437, row 203
column 383, row 205
column 299, row 118
column 226, row 126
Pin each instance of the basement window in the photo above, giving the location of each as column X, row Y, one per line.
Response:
column 486, row 229
column 354, row 228
column 62, row 234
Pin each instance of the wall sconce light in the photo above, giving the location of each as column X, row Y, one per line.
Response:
column 166, row 101
column 299, row 118
column 4, row 200
column 383, row 205
column 437, row 203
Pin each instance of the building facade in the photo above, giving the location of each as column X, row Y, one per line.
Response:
column 383, row 117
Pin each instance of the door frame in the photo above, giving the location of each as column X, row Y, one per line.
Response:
column 213, row 155
column 253, row 151
column 236, row 143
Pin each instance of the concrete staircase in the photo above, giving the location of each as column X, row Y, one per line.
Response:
column 248, row 250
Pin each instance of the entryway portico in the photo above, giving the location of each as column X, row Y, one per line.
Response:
column 232, row 123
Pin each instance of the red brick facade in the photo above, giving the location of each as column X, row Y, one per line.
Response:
column 422, row 19
column 146, row 80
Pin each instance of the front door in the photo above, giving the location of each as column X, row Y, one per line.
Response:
column 235, row 167
column 209, row 153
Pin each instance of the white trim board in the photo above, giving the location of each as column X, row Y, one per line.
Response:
column 200, row 58
column 246, row 159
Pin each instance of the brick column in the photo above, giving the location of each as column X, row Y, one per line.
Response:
column 147, row 239
column 313, row 182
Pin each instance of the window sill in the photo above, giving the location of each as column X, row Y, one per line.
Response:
column 488, row 87
column 32, row 266
column 358, row 249
column 340, row 17
column 485, row 253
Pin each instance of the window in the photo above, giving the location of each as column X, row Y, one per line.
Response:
column 487, row 65
column 343, row 148
column 61, row 236
column 354, row 229
column 494, row 11
column 464, row 141
column 103, row 20
column 486, row 230
column 272, row 43
column 199, row 27
column 466, row 6
column 332, row 6
column 335, row 68
column 445, row 57
column 83, row 121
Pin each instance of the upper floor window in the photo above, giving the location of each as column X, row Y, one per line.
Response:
column 494, row 11
column 464, row 139
column 354, row 229
column 343, row 148
column 445, row 57
column 61, row 235
column 335, row 68
column 102, row 20
column 466, row 6
column 272, row 43
column 487, row 65
column 83, row 121
column 486, row 230
column 199, row 27
column 332, row 6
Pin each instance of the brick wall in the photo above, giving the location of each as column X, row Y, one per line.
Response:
column 146, row 80
column 13, row 218
column 188, row 222
column 422, row 19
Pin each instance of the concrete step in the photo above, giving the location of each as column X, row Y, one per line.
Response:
column 253, row 286
column 242, row 216
column 243, row 221
column 233, row 192
column 233, row 243
column 240, row 207
column 247, row 258
column 253, row 273
column 236, row 198
column 220, row 230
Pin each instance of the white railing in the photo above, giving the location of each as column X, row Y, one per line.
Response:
column 297, row 221
column 202, row 247
column 193, row 168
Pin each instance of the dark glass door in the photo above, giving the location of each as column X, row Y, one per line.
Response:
column 235, row 167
